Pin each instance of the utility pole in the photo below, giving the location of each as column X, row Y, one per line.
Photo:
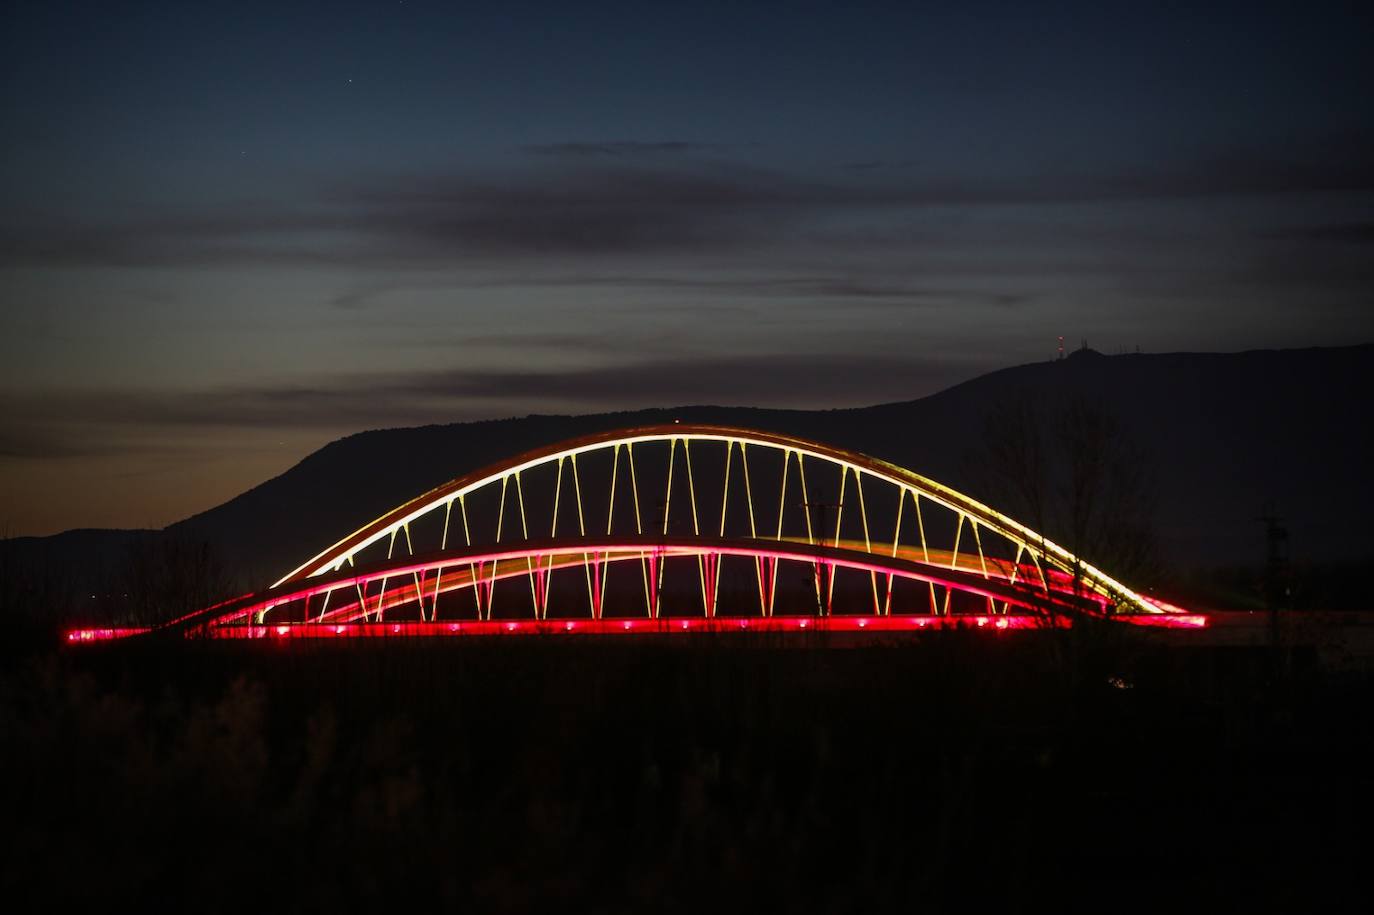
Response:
column 1276, row 585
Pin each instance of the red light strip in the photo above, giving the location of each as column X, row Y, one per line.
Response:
column 82, row 636
column 638, row 625
column 662, row 626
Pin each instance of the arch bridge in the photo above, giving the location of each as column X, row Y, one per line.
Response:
column 684, row 527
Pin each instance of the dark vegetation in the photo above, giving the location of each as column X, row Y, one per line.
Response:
column 957, row 773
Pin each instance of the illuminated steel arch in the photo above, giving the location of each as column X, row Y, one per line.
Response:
column 344, row 591
column 998, row 562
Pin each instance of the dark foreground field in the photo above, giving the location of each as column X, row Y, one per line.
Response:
column 959, row 773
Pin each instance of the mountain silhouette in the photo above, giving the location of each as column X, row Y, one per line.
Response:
column 1224, row 435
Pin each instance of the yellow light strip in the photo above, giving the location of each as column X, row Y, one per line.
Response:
column 942, row 495
column 639, row 528
column 868, row 544
column 896, row 540
column 839, row 514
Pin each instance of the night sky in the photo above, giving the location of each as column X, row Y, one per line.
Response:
column 231, row 232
